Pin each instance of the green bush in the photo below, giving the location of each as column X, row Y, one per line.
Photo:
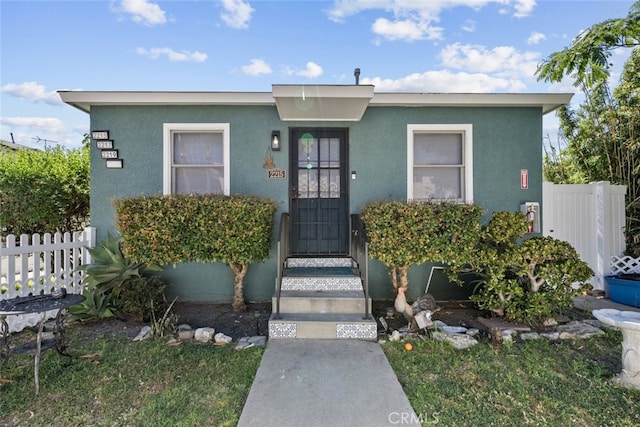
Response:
column 44, row 191
column 115, row 283
column 165, row 230
column 109, row 269
column 402, row 234
column 528, row 281
column 142, row 297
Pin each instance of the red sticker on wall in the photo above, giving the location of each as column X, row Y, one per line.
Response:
column 524, row 179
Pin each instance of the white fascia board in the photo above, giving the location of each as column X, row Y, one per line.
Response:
column 547, row 101
column 84, row 100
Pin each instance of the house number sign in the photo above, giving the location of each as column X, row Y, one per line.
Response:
column 276, row 173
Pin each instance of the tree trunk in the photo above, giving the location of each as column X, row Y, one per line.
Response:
column 534, row 282
column 239, row 271
column 403, row 272
column 394, row 279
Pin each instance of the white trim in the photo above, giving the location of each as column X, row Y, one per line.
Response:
column 167, row 128
column 546, row 101
column 467, row 131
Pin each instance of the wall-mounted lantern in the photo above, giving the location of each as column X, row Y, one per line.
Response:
column 275, row 140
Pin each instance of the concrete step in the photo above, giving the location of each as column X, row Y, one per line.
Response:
column 321, row 302
column 323, row 326
column 320, row 262
column 321, row 283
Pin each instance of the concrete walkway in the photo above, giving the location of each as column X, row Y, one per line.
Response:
column 304, row 382
column 337, row 383
column 588, row 303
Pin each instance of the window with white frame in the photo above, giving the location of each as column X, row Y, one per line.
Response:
column 440, row 162
column 196, row 158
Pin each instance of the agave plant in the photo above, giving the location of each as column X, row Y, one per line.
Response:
column 97, row 305
column 110, row 269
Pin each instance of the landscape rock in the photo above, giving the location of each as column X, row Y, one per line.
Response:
column 438, row 324
column 472, row 332
column 395, row 336
column 204, row 334
column 145, row 333
column 458, row 341
column 550, row 322
column 255, row 341
column 185, row 333
column 527, row 336
column 221, row 338
column 553, row 336
column 454, row 329
column 509, row 335
column 578, row 330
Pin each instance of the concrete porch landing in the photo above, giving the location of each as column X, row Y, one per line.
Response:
column 325, row 383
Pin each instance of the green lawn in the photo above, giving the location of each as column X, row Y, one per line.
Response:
column 129, row 383
column 537, row 383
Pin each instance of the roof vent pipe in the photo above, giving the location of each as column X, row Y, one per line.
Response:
column 356, row 73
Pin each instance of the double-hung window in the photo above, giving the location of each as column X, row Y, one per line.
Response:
column 439, row 162
column 196, row 158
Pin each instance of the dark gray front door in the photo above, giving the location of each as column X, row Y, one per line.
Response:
column 318, row 191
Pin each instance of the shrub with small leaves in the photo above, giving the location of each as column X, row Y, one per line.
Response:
column 165, row 230
column 402, row 234
column 529, row 280
column 143, row 296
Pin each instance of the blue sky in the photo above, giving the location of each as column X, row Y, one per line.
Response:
column 465, row 46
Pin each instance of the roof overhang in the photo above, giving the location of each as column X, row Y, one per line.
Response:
column 85, row 100
column 318, row 102
column 322, row 102
column 547, row 101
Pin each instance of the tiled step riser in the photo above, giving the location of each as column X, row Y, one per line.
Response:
column 319, row 304
column 326, row 284
column 320, row 262
column 285, row 329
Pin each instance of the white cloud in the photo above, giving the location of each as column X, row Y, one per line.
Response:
column 469, row 26
column 256, row 68
column 503, row 61
column 172, row 55
column 143, row 12
column 236, row 13
column 312, row 71
column 444, row 81
column 408, row 30
column 415, row 19
column 523, row 8
column 536, row 38
column 32, row 91
column 46, row 125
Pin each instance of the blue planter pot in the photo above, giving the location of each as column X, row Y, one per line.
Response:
column 624, row 289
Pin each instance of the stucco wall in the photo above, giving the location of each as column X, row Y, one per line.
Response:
column 505, row 140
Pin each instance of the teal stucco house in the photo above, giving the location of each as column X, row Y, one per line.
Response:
column 321, row 152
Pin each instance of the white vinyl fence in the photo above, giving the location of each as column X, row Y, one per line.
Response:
column 41, row 264
column 590, row 217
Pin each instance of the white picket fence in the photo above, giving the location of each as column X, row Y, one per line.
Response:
column 589, row 216
column 41, row 264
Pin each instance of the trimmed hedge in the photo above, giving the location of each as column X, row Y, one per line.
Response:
column 402, row 234
column 165, row 230
column 44, row 191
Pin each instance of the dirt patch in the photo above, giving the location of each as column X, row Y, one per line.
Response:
column 255, row 320
column 221, row 317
